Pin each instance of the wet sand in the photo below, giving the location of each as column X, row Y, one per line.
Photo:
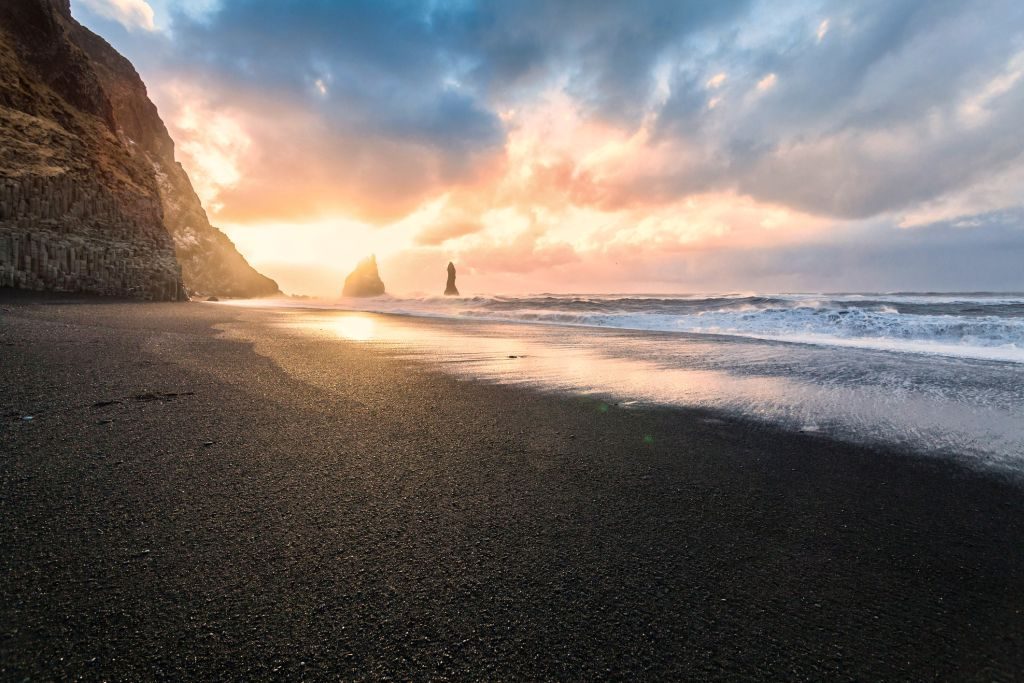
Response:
column 183, row 504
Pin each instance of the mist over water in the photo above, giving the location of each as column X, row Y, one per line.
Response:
column 939, row 374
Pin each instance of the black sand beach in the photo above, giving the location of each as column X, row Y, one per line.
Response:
column 180, row 506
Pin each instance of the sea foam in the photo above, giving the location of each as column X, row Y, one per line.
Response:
column 983, row 326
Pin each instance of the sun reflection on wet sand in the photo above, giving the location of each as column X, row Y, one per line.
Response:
column 574, row 361
column 353, row 327
column 862, row 396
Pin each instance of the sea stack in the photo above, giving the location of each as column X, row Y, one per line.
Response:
column 450, row 289
column 364, row 280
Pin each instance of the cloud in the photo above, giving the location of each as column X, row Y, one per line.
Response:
column 716, row 81
column 442, row 232
column 822, row 30
column 213, row 145
column 412, row 100
column 294, row 165
column 537, row 135
column 767, row 83
column 524, row 252
column 131, row 14
column 868, row 122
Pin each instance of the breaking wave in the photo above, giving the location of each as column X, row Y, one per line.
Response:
column 986, row 326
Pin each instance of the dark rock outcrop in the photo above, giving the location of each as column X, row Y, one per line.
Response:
column 210, row 263
column 91, row 198
column 79, row 209
column 364, row 280
column 450, row 289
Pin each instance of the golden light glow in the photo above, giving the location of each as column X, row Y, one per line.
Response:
column 716, row 81
column 354, row 327
column 767, row 83
column 822, row 30
column 211, row 145
column 570, row 192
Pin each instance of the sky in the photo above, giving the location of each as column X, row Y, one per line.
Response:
column 582, row 146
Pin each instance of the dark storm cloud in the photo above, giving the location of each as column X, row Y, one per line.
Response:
column 608, row 52
column 366, row 67
column 433, row 72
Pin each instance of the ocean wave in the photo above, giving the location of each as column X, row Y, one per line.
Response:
column 988, row 326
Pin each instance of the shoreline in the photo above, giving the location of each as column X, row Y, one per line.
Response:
column 359, row 516
column 599, row 369
column 920, row 347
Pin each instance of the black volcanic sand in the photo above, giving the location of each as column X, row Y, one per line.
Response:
column 182, row 507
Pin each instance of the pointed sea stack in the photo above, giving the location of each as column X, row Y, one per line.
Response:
column 364, row 280
column 450, row 289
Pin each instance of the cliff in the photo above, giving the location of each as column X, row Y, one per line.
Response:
column 364, row 280
column 79, row 211
column 91, row 198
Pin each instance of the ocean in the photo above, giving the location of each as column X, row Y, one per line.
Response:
column 936, row 373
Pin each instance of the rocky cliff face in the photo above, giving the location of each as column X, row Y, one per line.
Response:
column 91, row 198
column 78, row 210
column 209, row 261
